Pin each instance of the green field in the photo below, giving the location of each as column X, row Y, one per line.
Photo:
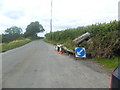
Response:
column 7, row 46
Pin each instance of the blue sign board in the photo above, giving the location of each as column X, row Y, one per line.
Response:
column 80, row 52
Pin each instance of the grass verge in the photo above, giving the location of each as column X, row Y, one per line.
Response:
column 69, row 44
column 109, row 64
column 51, row 42
column 13, row 44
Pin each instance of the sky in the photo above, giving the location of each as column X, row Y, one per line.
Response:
column 66, row 13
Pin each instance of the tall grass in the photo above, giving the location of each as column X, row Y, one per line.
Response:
column 13, row 44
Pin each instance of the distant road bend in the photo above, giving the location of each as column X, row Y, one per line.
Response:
column 37, row 65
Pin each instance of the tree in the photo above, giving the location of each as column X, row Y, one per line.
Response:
column 13, row 30
column 12, row 33
column 33, row 28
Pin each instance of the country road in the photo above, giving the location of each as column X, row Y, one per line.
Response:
column 37, row 65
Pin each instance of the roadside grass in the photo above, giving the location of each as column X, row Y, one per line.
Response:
column 109, row 64
column 13, row 44
column 51, row 42
column 69, row 44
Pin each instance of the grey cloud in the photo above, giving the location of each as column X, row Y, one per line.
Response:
column 65, row 24
column 62, row 27
column 4, row 25
column 15, row 14
column 1, row 3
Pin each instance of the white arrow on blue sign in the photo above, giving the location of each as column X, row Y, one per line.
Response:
column 80, row 52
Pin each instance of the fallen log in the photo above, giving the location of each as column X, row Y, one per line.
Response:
column 81, row 38
column 68, row 51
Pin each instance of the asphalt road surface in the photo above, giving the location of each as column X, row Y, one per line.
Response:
column 37, row 65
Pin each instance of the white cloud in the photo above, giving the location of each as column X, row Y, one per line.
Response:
column 66, row 13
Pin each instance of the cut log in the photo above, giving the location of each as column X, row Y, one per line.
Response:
column 81, row 38
column 68, row 51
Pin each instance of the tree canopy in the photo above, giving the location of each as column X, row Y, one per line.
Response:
column 33, row 28
column 13, row 30
column 12, row 33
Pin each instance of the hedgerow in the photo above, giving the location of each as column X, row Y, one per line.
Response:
column 105, row 38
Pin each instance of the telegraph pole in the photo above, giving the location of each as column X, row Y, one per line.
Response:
column 51, row 18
